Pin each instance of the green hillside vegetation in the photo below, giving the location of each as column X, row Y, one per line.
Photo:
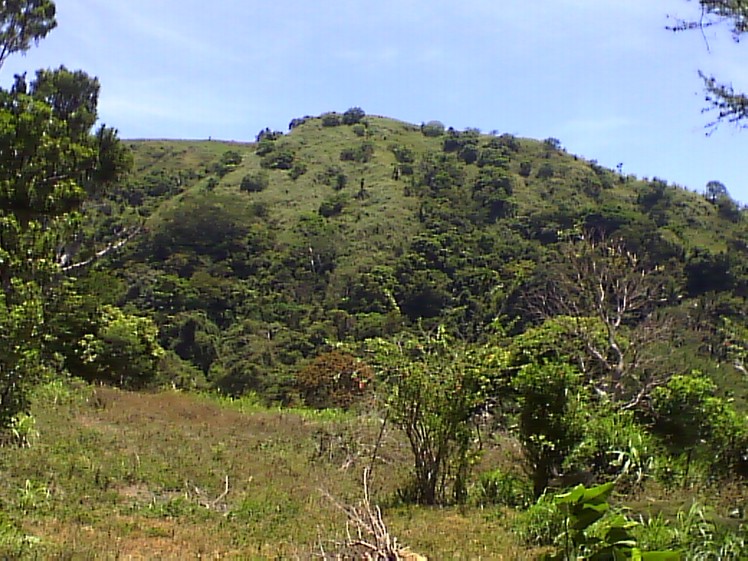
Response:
column 487, row 319
column 511, row 350
column 350, row 243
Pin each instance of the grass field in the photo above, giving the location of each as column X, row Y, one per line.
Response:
column 118, row 475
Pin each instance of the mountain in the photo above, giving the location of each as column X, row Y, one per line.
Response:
column 254, row 258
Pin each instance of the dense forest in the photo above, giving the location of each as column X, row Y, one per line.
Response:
column 475, row 292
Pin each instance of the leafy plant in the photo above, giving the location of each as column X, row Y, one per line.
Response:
column 13, row 541
column 541, row 523
column 503, row 488
column 614, row 447
column 550, row 420
column 433, row 390
column 593, row 532
column 23, row 430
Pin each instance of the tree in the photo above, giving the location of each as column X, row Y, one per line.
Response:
column 49, row 165
column 434, row 388
column 610, row 297
column 689, row 416
column 730, row 106
column 433, row 128
column 716, row 190
column 23, row 22
column 125, row 349
column 550, row 423
column 353, row 116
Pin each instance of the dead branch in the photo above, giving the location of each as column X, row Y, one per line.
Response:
column 610, row 299
column 114, row 246
column 367, row 536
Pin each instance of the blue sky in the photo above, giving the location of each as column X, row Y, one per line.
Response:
column 604, row 77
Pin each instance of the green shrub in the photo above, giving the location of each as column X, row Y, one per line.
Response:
column 691, row 419
column 492, row 157
column 231, row 158
column 332, row 206
column 255, row 182
column 297, row 122
column 359, row 129
column 348, row 154
column 593, row 531
column 265, row 146
column 499, row 487
column 403, row 154
column 330, row 119
column 282, row 158
column 124, row 351
column 14, row 543
column 616, row 447
column 540, row 524
column 433, row 129
column 361, row 154
column 353, row 116
column 545, row 172
column 550, row 419
column 298, row 169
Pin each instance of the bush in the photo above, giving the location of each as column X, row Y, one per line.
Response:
column 332, row 206
column 265, row 146
column 228, row 162
column 469, row 153
column 231, row 158
column 348, row 154
column 541, row 523
column 353, row 116
column 550, row 424
column 403, row 154
column 545, row 172
column 615, row 447
column 255, row 182
column 267, row 134
column 434, row 389
column 498, row 487
column 278, row 159
column 553, row 144
column 330, row 119
column 333, row 379
column 690, row 417
column 298, row 121
column 298, row 169
column 492, row 157
column 359, row 130
column 433, row 129
column 125, row 350
column 361, row 154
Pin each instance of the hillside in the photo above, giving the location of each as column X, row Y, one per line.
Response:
column 256, row 256
column 482, row 319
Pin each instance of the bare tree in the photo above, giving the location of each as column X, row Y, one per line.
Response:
column 610, row 299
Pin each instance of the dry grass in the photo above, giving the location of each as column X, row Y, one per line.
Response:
column 118, row 475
